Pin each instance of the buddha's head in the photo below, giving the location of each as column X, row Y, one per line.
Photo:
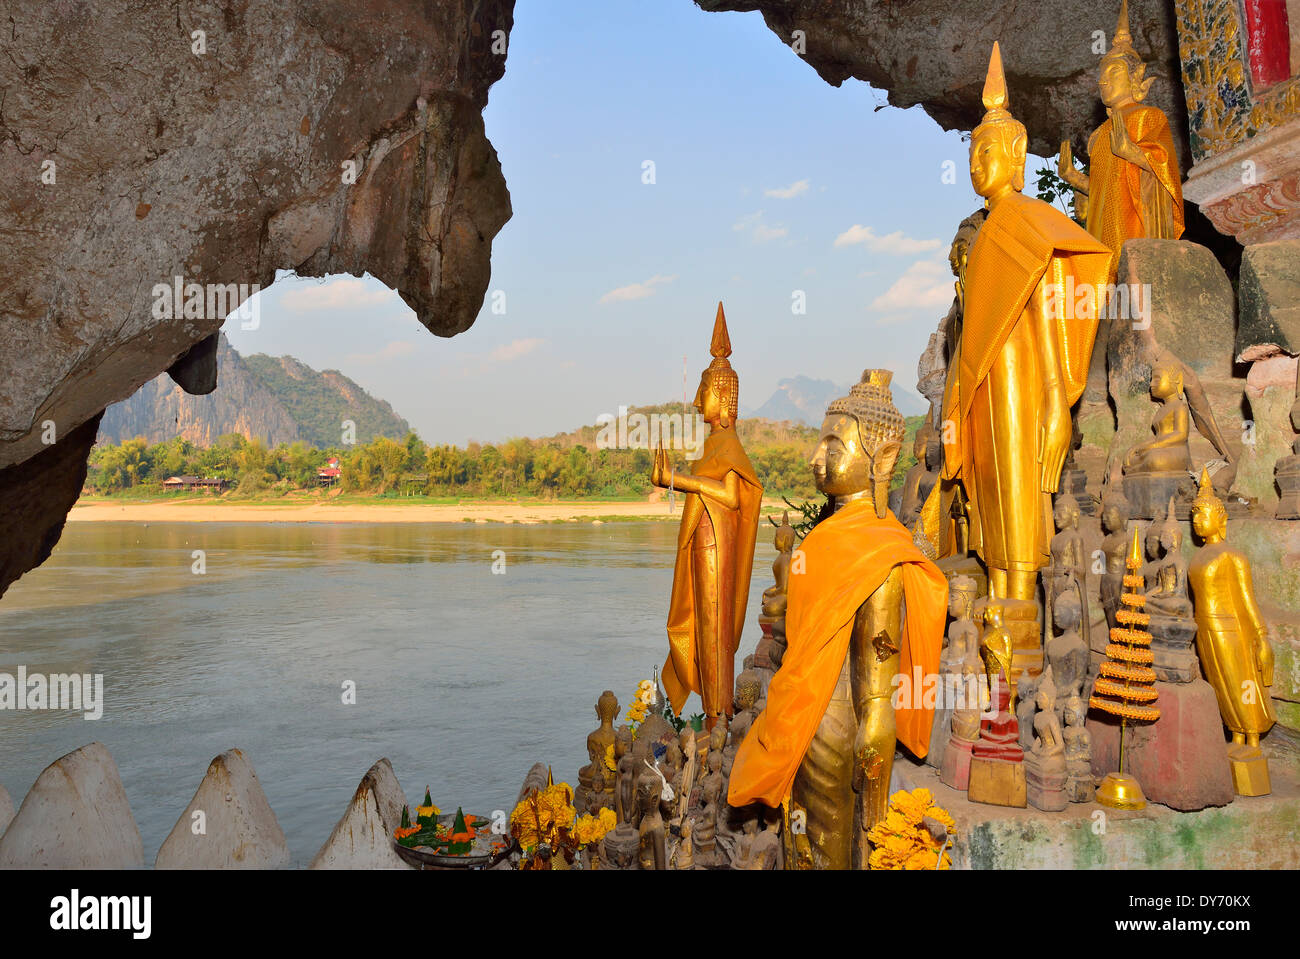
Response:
column 1122, row 79
column 749, row 686
column 961, row 243
column 1065, row 612
column 1114, row 514
column 861, row 438
column 607, row 706
column 961, row 596
column 1171, row 534
column 999, row 144
column 993, row 614
column 623, row 739
column 1066, row 511
column 686, row 740
column 921, row 440
column 1209, row 515
column 1166, row 377
column 718, row 397
column 784, row 538
column 1153, row 541
column 1074, row 711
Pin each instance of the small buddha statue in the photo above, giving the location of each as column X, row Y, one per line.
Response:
column 684, row 855
column 758, row 849
column 596, row 781
column 996, row 649
column 1066, row 547
column 1067, row 654
column 997, row 774
column 774, row 597
column 1114, row 522
column 1168, row 593
column 631, row 758
column 1287, row 469
column 1231, row 641
column 964, row 648
column 685, row 780
column 619, row 848
column 652, row 848
column 962, row 641
column 1160, row 467
column 715, row 544
column 1079, row 785
column 1045, row 774
column 922, row 476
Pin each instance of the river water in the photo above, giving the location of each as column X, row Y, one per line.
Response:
column 464, row 677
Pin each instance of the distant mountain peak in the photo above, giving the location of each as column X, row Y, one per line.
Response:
column 803, row 399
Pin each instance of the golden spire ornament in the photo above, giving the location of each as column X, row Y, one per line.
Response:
column 1124, row 686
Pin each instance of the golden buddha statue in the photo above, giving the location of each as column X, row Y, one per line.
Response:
column 715, row 545
column 1167, row 450
column 1133, row 187
column 867, row 606
column 1019, row 366
column 1231, row 641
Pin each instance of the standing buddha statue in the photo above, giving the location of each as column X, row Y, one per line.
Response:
column 866, row 606
column 1133, row 187
column 715, row 545
column 1231, row 641
column 1019, row 366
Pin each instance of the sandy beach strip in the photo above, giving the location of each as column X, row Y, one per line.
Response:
column 198, row 511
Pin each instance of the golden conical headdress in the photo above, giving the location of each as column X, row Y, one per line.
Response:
column 719, row 373
column 1205, row 495
column 996, row 111
column 1122, row 45
column 871, row 403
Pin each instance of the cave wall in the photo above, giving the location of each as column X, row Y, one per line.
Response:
column 221, row 142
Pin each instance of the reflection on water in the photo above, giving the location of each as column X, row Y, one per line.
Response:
column 464, row 678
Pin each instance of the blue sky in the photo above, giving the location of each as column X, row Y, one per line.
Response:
column 768, row 181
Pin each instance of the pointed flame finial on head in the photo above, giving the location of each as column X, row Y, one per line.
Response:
column 1122, row 36
column 1134, row 560
column 1171, row 517
column 996, row 110
column 720, row 347
column 995, row 83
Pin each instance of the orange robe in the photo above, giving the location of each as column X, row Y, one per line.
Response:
column 1023, row 243
column 734, row 532
column 845, row 559
column 1125, row 201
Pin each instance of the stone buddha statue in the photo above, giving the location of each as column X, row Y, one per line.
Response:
column 1079, row 785
column 652, row 848
column 684, row 782
column 715, row 545
column 1066, row 548
column 997, row 774
column 596, row 781
column 1114, row 523
column 962, row 644
column 1133, row 187
column 920, row 479
column 1168, row 592
column 867, row 605
column 1067, row 654
column 1287, row 469
column 963, row 649
column 1019, row 366
column 1045, row 772
column 1231, row 641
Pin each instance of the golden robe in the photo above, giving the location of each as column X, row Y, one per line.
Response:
column 1023, row 243
column 1125, row 201
column 733, row 533
column 846, row 559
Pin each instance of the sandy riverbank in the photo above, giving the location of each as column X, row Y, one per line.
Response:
column 200, row 511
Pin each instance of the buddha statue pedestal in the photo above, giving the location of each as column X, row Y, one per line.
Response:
column 771, row 645
column 1022, row 618
column 997, row 771
column 1249, row 770
column 1075, row 482
column 1045, row 785
column 619, row 847
column 954, row 771
column 1181, row 759
column 1173, row 640
column 1148, row 494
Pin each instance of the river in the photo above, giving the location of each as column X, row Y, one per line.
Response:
column 216, row 635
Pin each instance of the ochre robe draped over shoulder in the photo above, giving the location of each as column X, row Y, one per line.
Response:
column 845, row 559
column 1024, row 242
column 1125, row 201
column 722, row 454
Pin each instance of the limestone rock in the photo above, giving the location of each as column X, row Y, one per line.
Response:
column 196, row 370
column 1269, row 292
column 76, row 816
column 349, row 140
column 1181, row 760
column 363, row 838
column 240, row 828
column 935, row 53
column 1191, row 315
column 6, row 810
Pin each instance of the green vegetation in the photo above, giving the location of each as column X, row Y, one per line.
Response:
column 320, row 402
column 564, row 466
